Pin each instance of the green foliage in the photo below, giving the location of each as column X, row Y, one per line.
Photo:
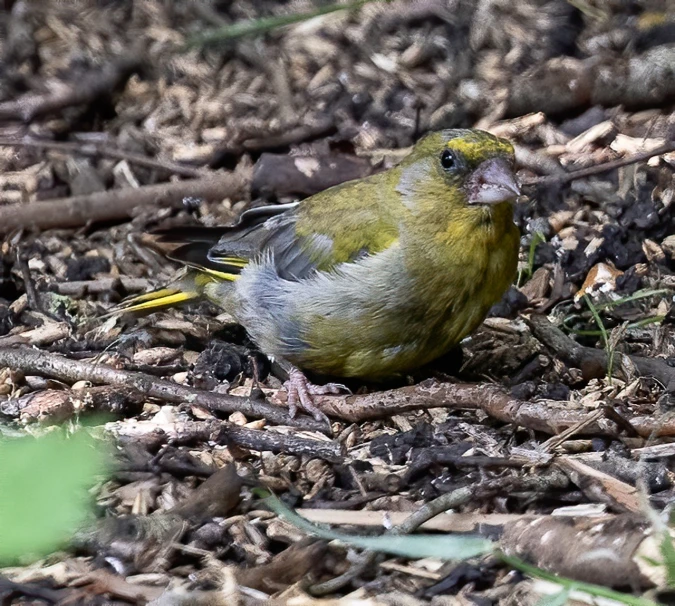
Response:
column 43, row 491
column 526, row 273
column 605, row 337
column 446, row 547
column 571, row 585
column 556, row 599
column 457, row 547
column 668, row 554
column 257, row 27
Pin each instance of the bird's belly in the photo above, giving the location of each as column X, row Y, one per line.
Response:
column 361, row 321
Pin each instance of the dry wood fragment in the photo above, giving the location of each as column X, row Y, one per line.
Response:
column 607, row 551
column 217, row 496
column 250, row 142
column 283, row 175
column 260, row 441
column 48, row 333
column 566, row 84
column 286, row 568
column 551, row 417
column 80, row 288
column 599, row 486
column 119, row 203
column 56, row 406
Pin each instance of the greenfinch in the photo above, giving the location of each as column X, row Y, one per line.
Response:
column 371, row 278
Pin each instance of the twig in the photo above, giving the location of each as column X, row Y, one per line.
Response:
column 363, row 563
column 450, row 500
column 443, row 522
column 89, row 88
column 255, row 142
column 591, row 361
column 98, row 149
column 102, row 285
column 600, row 168
column 599, row 486
column 29, row 285
column 548, row 416
column 120, row 203
column 551, row 417
column 41, row 363
column 274, row 441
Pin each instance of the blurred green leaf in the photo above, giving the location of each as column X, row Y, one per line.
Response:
column 570, row 584
column 668, row 553
column 257, row 27
column 556, row 599
column 43, row 491
column 447, row 547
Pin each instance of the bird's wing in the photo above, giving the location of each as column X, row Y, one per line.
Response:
column 340, row 225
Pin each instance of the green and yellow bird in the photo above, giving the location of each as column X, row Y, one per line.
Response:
column 371, row 278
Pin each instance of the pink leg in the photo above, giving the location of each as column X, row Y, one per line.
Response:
column 300, row 392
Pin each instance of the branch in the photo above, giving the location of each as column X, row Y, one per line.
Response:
column 591, row 361
column 601, row 168
column 118, row 204
column 91, row 86
column 32, row 362
column 96, row 150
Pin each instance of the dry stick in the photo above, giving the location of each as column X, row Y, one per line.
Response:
column 600, row 168
column 99, row 149
column 591, row 360
column 119, row 203
column 90, row 87
column 551, row 417
column 45, row 364
column 254, row 439
column 102, row 285
column 595, row 359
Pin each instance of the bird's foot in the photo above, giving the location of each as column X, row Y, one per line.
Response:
column 300, row 392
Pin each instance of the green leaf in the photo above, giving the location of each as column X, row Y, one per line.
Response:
column 446, row 547
column 43, row 491
column 556, row 599
column 668, row 553
column 257, row 27
column 572, row 585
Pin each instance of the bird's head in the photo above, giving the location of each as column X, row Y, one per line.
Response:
column 460, row 167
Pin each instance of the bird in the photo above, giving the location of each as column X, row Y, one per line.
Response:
column 369, row 279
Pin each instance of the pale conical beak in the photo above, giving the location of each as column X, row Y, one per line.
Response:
column 492, row 182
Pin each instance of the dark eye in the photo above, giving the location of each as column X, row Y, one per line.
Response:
column 448, row 160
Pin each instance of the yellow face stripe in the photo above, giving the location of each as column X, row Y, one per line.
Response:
column 477, row 149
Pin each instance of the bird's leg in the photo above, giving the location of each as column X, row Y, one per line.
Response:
column 300, row 392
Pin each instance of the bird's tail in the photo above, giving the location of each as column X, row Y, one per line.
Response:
column 188, row 288
column 200, row 271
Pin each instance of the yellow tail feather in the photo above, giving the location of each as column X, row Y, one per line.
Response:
column 190, row 287
column 160, row 301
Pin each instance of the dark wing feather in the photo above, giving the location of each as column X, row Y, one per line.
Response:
column 224, row 249
column 295, row 257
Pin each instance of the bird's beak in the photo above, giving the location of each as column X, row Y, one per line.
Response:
column 492, row 182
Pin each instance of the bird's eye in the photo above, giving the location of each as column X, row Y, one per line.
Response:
column 448, row 160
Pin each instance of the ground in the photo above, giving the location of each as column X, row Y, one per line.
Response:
column 121, row 116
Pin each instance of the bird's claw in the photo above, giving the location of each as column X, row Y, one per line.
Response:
column 300, row 392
